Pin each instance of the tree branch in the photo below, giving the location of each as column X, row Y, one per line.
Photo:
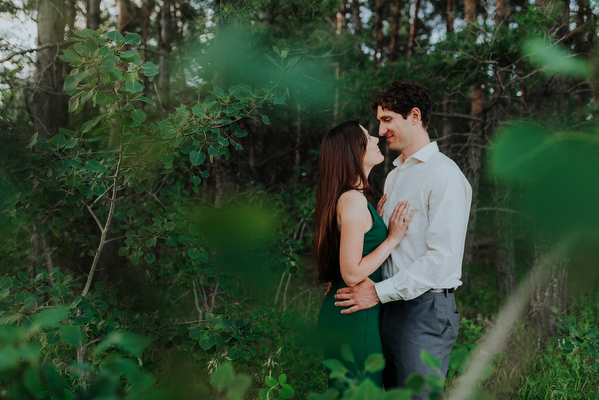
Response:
column 17, row 53
column 92, row 270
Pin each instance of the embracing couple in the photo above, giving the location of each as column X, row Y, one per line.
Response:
column 392, row 270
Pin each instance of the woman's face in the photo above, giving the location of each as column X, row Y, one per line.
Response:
column 372, row 155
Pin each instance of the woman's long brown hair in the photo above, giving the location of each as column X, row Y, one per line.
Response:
column 340, row 163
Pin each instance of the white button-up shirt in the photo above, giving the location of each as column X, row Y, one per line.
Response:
column 430, row 254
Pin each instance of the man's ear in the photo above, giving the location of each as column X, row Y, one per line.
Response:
column 415, row 115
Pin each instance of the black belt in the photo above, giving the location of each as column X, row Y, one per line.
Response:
column 445, row 291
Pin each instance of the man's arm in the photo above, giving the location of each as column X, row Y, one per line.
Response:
column 359, row 297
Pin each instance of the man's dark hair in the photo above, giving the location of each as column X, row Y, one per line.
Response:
column 402, row 96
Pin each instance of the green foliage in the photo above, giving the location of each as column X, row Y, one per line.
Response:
column 581, row 349
column 33, row 335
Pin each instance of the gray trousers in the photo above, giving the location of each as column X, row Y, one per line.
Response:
column 428, row 322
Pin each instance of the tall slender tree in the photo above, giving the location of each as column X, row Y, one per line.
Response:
column 394, row 46
column 49, row 103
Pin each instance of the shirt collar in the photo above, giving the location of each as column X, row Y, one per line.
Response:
column 423, row 155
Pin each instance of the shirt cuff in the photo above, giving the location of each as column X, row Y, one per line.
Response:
column 386, row 291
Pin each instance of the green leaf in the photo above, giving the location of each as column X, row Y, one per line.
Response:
column 138, row 115
column 219, row 92
column 150, row 257
column 107, row 66
column 223, row 377
column 213, row 150
column 128, row 341
column 84, row 33
column 60, row 290
column 335, row 365
column 265, row 120
column 95, row 166
column 347, row 354
column 115, row 36
column 72, row 335
column 196, row 180
column 147, row 100
column 50, row 317
column 72, row 142
column 280, row 98
column 69, row 56
column 198, row 110
column 286, row 391
column 53, row 337
column 133, row 86
column 374, row 363
column 206, row 342
column 270, row 381
column 128, row 55
column 59, row 141
column 430, row 360
column 416, row 383
column 282, row 378
column 195, row 333
column 132, row 38
column 116, row 74
column 556, row 59
column 194, row 253
column 197, row 157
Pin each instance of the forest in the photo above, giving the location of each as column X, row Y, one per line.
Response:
column 158, row 174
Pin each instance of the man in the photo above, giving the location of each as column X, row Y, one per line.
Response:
column 418, row 305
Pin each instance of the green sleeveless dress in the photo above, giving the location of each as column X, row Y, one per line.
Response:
column 359, row 330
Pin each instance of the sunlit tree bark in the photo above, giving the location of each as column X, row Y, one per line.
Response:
column 413, row 29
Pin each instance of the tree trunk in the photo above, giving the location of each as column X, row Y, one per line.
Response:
column 166, row 33
column 475, row 144
column 124, row 20
column 413, row 28
column 394, row 48
column 93, row 14
column 549, row 289
column 224, row 171
column 341, row 20
column 450, row 15
column 378, row 30
column 70, row 14
column 504, row 241
column 505, row 254
column 355, row 13
column 547, row 100
column 49, row 102
column 447, row 129
column 470, row 10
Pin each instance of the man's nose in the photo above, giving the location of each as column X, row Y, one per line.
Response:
column 382, row 130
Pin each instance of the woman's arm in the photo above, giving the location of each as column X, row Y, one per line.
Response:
column 354, row 220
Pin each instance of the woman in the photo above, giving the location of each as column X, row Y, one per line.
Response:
column 351, row 240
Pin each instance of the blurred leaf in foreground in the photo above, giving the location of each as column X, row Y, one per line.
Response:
column 555, row 59
column 558, row 171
